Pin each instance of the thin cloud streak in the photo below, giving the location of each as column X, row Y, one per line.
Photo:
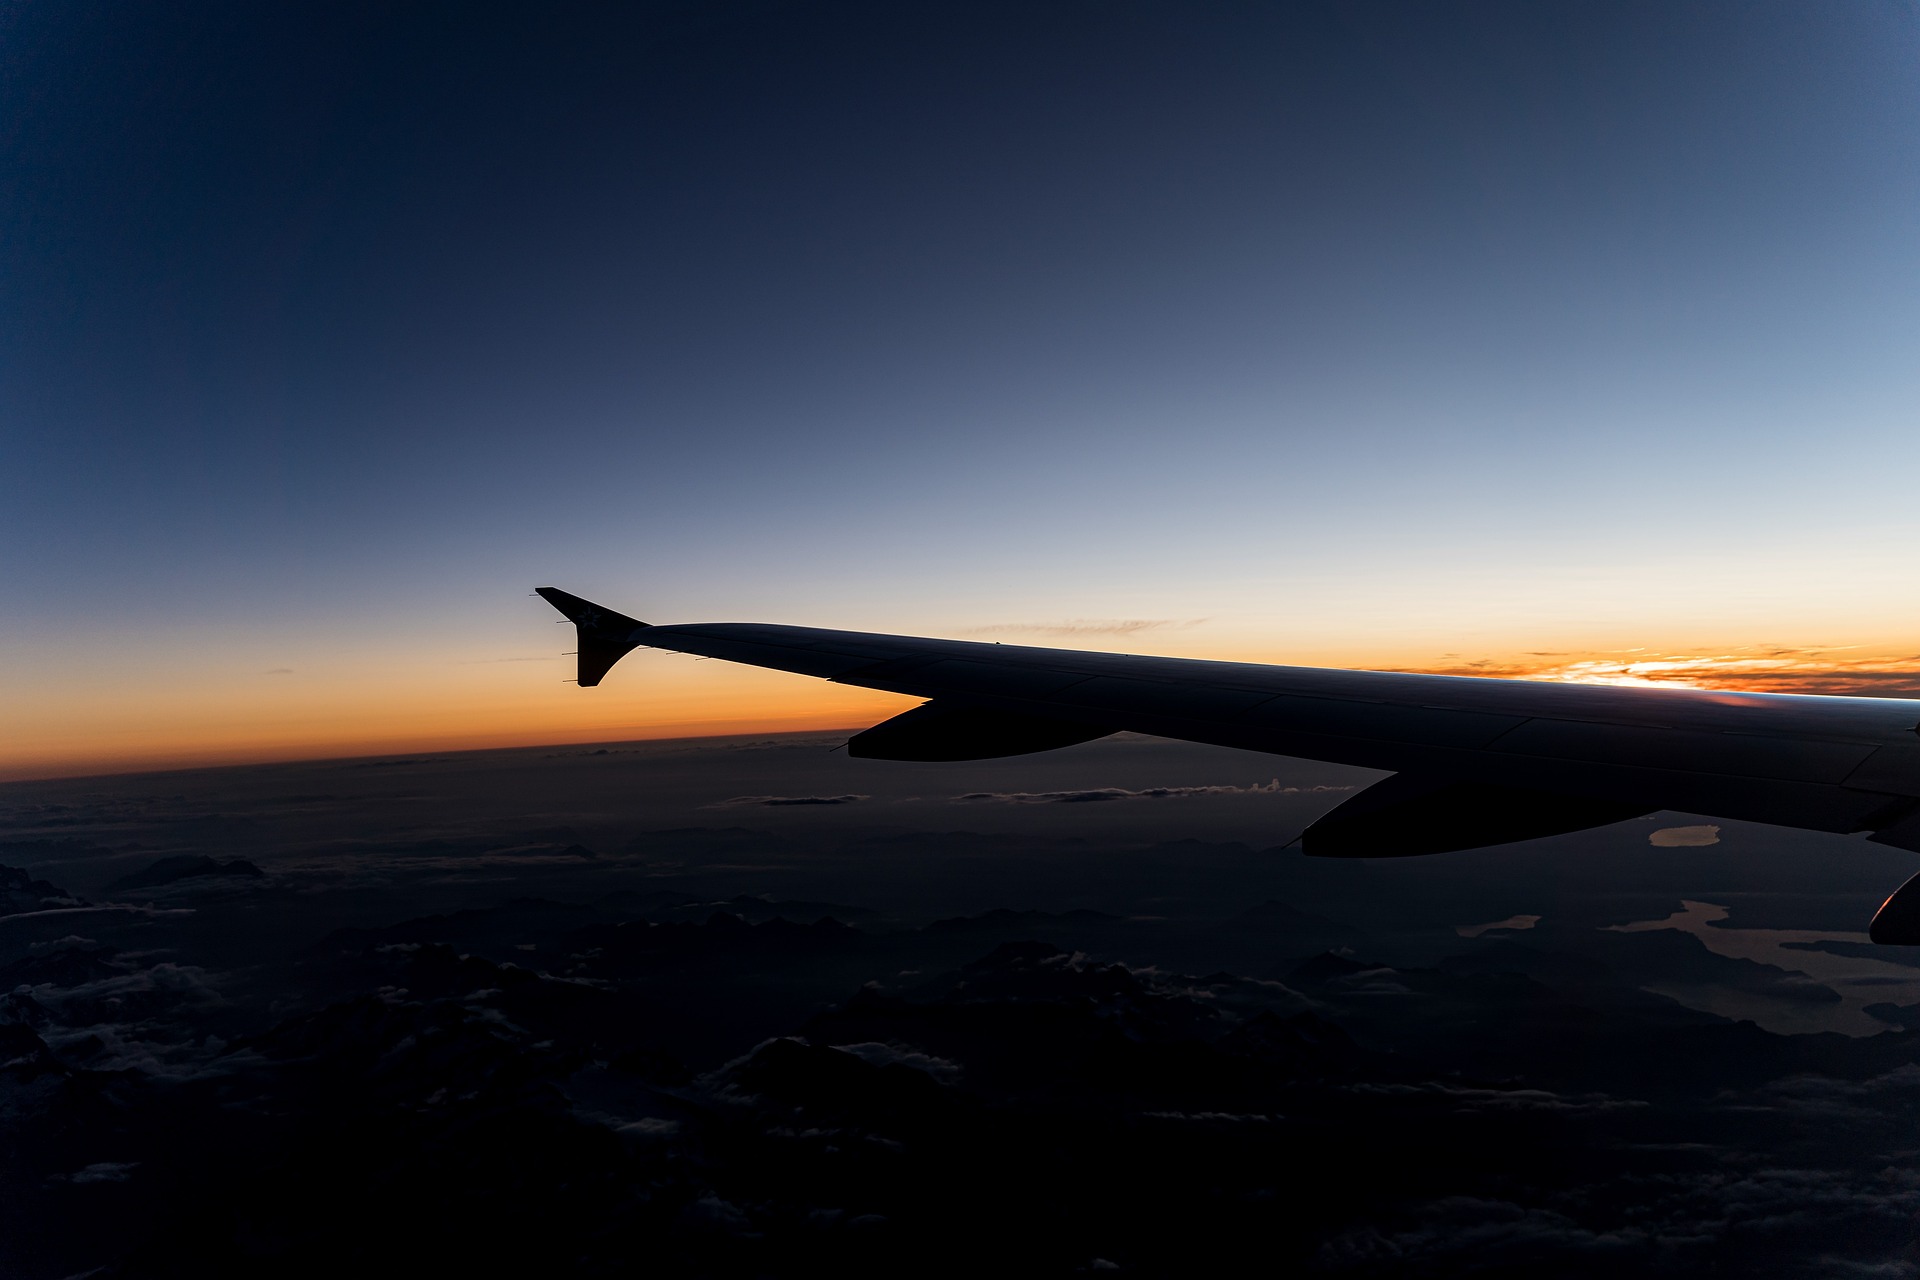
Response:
column 1087, row 627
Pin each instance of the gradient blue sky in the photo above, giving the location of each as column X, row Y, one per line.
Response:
column 1378, row 334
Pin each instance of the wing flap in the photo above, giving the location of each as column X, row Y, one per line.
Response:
column 1407, row 815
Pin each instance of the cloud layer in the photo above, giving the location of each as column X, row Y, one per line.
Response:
column 1098, row 795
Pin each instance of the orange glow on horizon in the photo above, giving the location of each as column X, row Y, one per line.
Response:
column 250, row 720
column 162, row 759
column 223, row 719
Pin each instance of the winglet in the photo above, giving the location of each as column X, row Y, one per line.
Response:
column 605, row 636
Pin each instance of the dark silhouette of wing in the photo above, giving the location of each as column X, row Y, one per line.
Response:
column 1534, row 758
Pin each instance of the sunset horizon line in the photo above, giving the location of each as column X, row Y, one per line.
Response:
column 1769, row 669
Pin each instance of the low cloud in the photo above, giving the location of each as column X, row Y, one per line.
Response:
column 281, row 671
column 1446, row 1233
column 1096, row 795
column 121, row 908
column 1087, row 627
column 106, row 1171
column 880, row 1054
column 649, row 1127
column 1511, row 922
column 71, row 942
column 1684, row 837
column 1508, row 1100
column 1825, row 1100
column 174, row 981
column 782, row 802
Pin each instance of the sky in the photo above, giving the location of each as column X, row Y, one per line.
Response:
column 1572, row 340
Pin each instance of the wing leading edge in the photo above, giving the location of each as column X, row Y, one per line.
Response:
column 1531, row 758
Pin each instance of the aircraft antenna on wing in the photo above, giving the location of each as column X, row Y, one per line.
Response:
column 606, row 636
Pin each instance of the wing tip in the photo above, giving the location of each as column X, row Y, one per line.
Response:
column 605, row 635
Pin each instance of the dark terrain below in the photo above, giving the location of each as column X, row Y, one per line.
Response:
column 752, row 1008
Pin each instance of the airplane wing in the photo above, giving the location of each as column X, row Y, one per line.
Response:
column 1475, row 761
